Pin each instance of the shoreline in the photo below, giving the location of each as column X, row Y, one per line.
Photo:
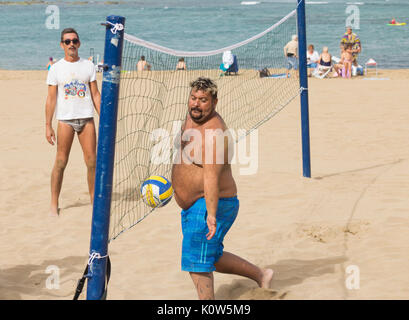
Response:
column 392, row 74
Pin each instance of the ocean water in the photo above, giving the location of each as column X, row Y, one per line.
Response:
column 26, row 42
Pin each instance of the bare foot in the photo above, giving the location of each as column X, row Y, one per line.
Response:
column 54, row 212
column 266, row 279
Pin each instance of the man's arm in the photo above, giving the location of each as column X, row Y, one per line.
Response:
column 49, row 112
column 358, row 50
column 211, row 174
column 95, row 95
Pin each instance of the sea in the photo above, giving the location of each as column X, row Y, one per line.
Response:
column 30, row 30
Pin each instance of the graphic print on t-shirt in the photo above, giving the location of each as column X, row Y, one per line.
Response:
column 75, row 88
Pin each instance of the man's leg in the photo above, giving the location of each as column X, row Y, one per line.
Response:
column 87, row 138
column 232, row 264
column 204, row 284
column 65, row 136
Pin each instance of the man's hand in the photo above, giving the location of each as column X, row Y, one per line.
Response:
column 211, row 224
column 50, row 134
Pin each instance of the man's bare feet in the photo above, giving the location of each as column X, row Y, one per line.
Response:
column 266, row 279
column 54, row 211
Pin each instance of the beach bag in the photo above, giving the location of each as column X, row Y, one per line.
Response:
column 264, row 73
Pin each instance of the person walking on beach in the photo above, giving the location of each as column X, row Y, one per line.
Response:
column 73, row 94
column 181, row 65
column 290, row 51
column 50, row 63
column 351, row 38
column 206, row 191
column 143, row 64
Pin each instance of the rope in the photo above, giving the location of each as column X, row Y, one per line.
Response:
column 303, row 89
column 116, row 27
column 88, row 273
column 95, row 255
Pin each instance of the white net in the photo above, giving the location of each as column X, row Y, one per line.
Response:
column 155, row 97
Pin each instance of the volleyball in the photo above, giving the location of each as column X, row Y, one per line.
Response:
column 156, row 191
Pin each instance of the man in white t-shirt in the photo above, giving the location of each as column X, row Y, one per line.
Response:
column 72, row 94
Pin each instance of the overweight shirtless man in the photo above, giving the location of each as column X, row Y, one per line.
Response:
column 206, row 191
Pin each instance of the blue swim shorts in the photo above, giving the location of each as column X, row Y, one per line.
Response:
column 292, row 63
column 198, row 253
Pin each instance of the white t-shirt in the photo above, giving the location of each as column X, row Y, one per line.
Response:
column 73, row 95
column 312, row 57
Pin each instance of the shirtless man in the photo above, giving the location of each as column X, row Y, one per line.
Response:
column 73, row 94
column 291, row 51
column 206, row 191
column 143, row 65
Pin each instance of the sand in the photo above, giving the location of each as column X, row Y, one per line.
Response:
column 354, row 211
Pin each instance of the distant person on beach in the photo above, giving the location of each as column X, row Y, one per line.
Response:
column 50, row 63
column 143, row 64
column 290, row 51
column 337, row 67
column 325, row 58
column 313, row 58
column 72, row 94
column 206, row 191
column 181, row 64
column 347, row 60
column 351, row 38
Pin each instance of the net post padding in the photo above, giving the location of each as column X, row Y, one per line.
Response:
column 105, row 158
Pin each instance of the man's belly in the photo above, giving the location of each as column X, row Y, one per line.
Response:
column 187, row 183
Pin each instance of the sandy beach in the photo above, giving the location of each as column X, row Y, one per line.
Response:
column 354, row 211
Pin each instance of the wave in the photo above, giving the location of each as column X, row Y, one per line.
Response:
column 316, row 2
column 249, row 3
column 357, row 3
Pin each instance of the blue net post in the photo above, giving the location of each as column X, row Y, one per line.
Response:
column 302, row 52
column 105, row 157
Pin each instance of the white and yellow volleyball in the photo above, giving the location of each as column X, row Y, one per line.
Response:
column 156, row 191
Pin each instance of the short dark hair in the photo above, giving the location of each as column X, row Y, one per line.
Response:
column 142, row 58
column 206, row 85
column 68, row 30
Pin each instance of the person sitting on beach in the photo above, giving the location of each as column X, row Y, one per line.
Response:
column 290, row 51
column 337, row 67
column 50, row 63
column 325, row 58
column 181, row 64
column 347, row 60
column 143, row 65
column 227, row 62
column 312, row 58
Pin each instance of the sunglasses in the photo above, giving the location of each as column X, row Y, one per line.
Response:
column 68, row 41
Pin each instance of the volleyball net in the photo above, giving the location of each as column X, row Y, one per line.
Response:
column 152, row 104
